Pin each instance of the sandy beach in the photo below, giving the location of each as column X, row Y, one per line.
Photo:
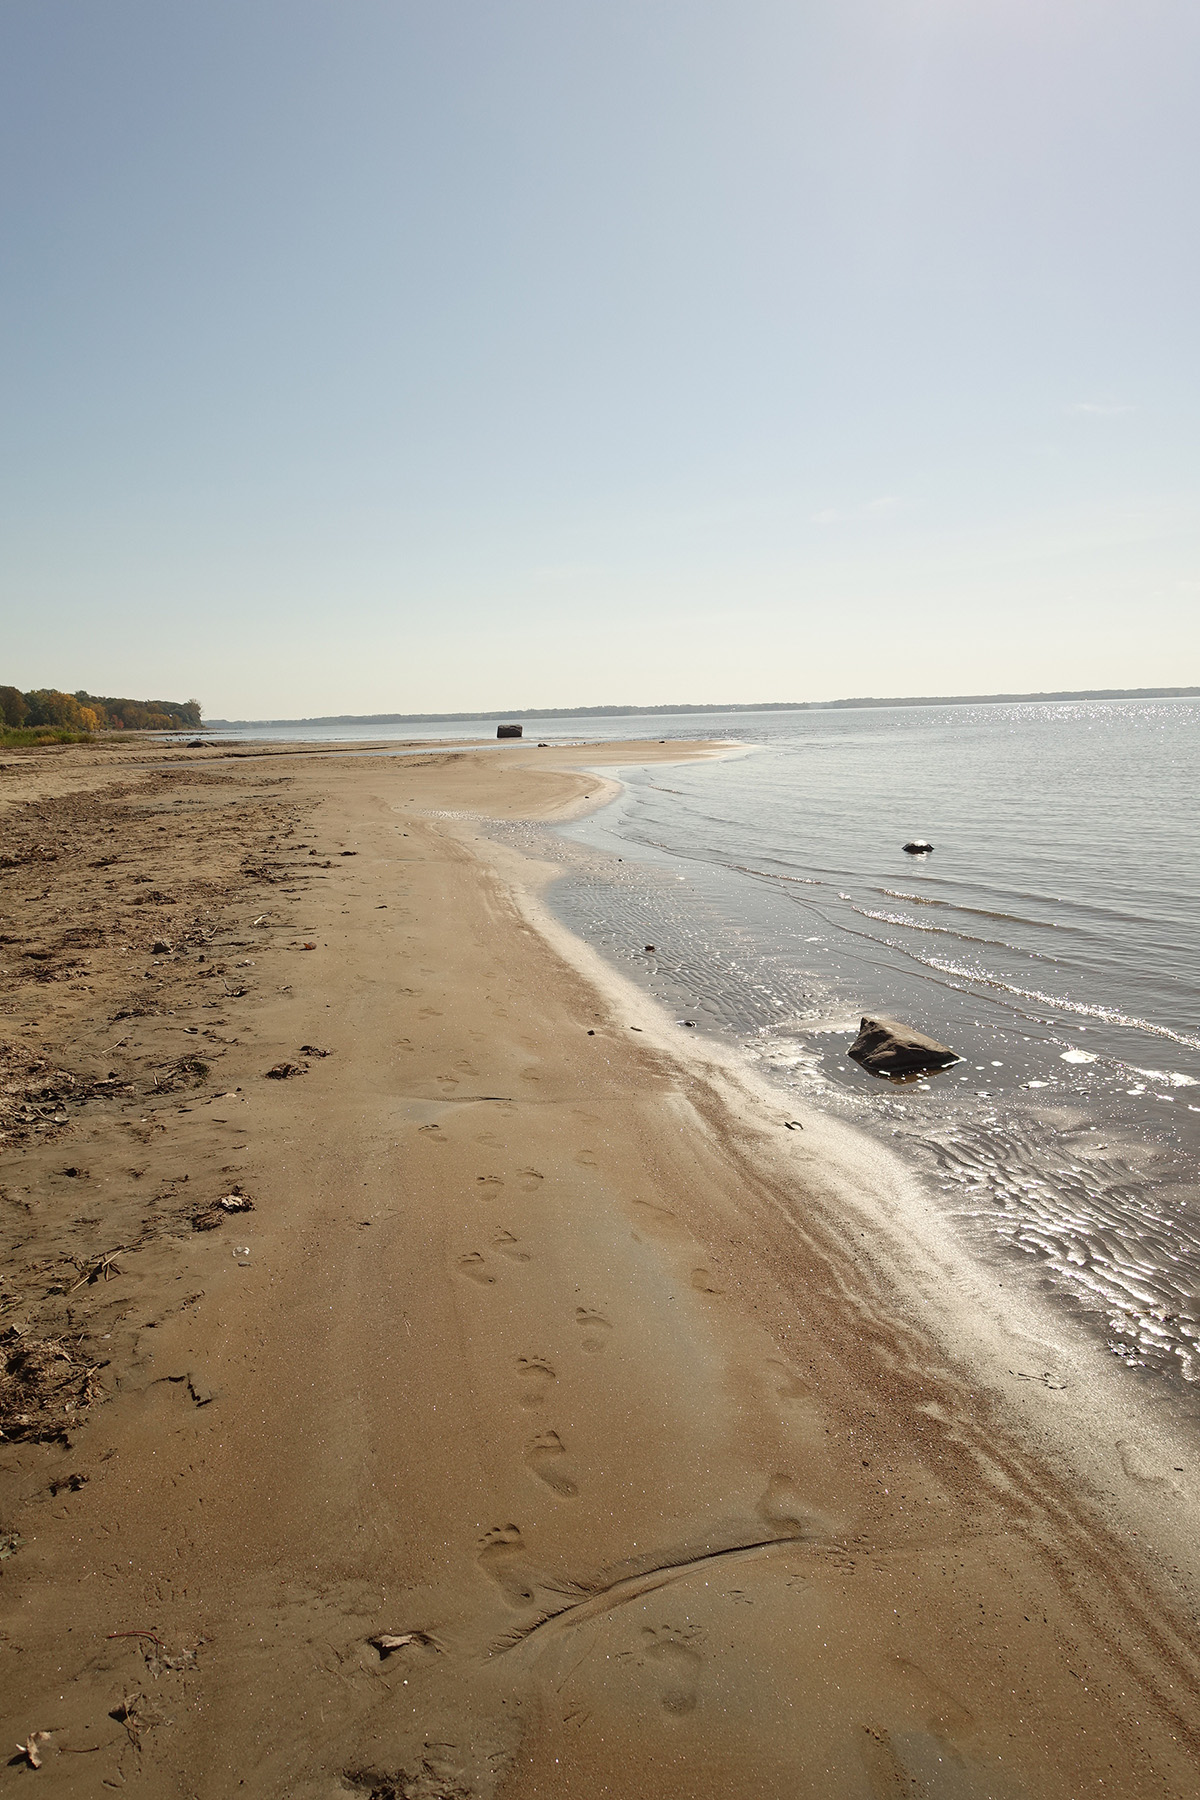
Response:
column 431, row 1373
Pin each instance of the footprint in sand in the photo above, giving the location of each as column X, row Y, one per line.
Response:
column 703, row 1282
column 675, row 1665
column 783, row 1506
column 530, row 1179
column 475, row 1269
column 586, row 1159
column 536, row 1378
column 502, row 1556
column 788, row 1385
column 594, row 1327
column 508, row 1245
column 546, row 1456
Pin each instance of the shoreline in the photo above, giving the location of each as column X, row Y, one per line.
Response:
column 552, row 1356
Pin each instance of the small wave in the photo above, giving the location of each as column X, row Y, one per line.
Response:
column 979, row 912
column 1170, row 1076
column 964, row 937
column 1110, row 1015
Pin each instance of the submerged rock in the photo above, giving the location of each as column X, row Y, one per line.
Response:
column 885, row 1047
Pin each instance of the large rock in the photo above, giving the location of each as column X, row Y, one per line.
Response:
column 885, row 1047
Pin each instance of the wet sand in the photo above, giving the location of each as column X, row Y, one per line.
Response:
column 672, row 1454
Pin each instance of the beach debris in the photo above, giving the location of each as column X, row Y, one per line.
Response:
column 42, row 1388
column 160, row 947
column 885, row 1047
column 510, row 731
column 31, row 1750
column 792, row 1125
column 917, row 847
column 283, row 1071
column 690, row 1023
column 650, row 951
column 349, row 852
column 308, row 946
column 313, row 1050
column 386, row 1642
column 207, row 1218
column 10, row 1543
column 103, row 1267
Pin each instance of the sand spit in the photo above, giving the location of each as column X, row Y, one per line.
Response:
column 420, row 1383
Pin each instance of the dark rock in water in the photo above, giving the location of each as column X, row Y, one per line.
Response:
column 918, row 847
column 885, row 1047
column 504, row 731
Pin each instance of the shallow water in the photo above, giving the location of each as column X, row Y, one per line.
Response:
column 1049, row 939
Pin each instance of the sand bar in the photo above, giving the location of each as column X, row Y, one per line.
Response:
column 554, row 1421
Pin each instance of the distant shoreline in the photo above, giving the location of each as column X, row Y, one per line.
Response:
column 610, row 712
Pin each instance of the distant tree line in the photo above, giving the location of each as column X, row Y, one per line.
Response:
column 81, row 711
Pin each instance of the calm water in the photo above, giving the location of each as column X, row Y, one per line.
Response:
column 1050, row 939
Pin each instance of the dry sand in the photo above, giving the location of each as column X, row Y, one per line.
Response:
column 545, row 1351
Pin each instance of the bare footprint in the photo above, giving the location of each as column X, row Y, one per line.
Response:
column 502, row 1557
column 596, row 1329
column 490, row 1180
column 536, row 1378
column 783, row 1506
column 586, row 1159
column 530, row 1179
column 475, row 1269
column 676, row 1667
column 546, row 1456
column 788, row 1385
column 509, row 1246
column 703, row 1282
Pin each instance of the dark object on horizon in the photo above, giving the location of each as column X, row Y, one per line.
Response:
column 917, row 847
column 510, row 731
column 885, row 1047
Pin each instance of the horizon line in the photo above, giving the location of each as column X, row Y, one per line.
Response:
column 683, row 707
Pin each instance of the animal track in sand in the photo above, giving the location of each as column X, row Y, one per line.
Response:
column 675, row 1665
column 536, row 1377
column 501, row 1555
column 594, row 1327
column 475, row 1269
column 546, row 1456
column 507, row 1245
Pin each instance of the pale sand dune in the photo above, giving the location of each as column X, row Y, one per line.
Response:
column 556, row 1356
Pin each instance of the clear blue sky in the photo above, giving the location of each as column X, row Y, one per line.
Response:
column 404, row 356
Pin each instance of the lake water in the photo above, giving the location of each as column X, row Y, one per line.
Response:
column 1050, row 939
